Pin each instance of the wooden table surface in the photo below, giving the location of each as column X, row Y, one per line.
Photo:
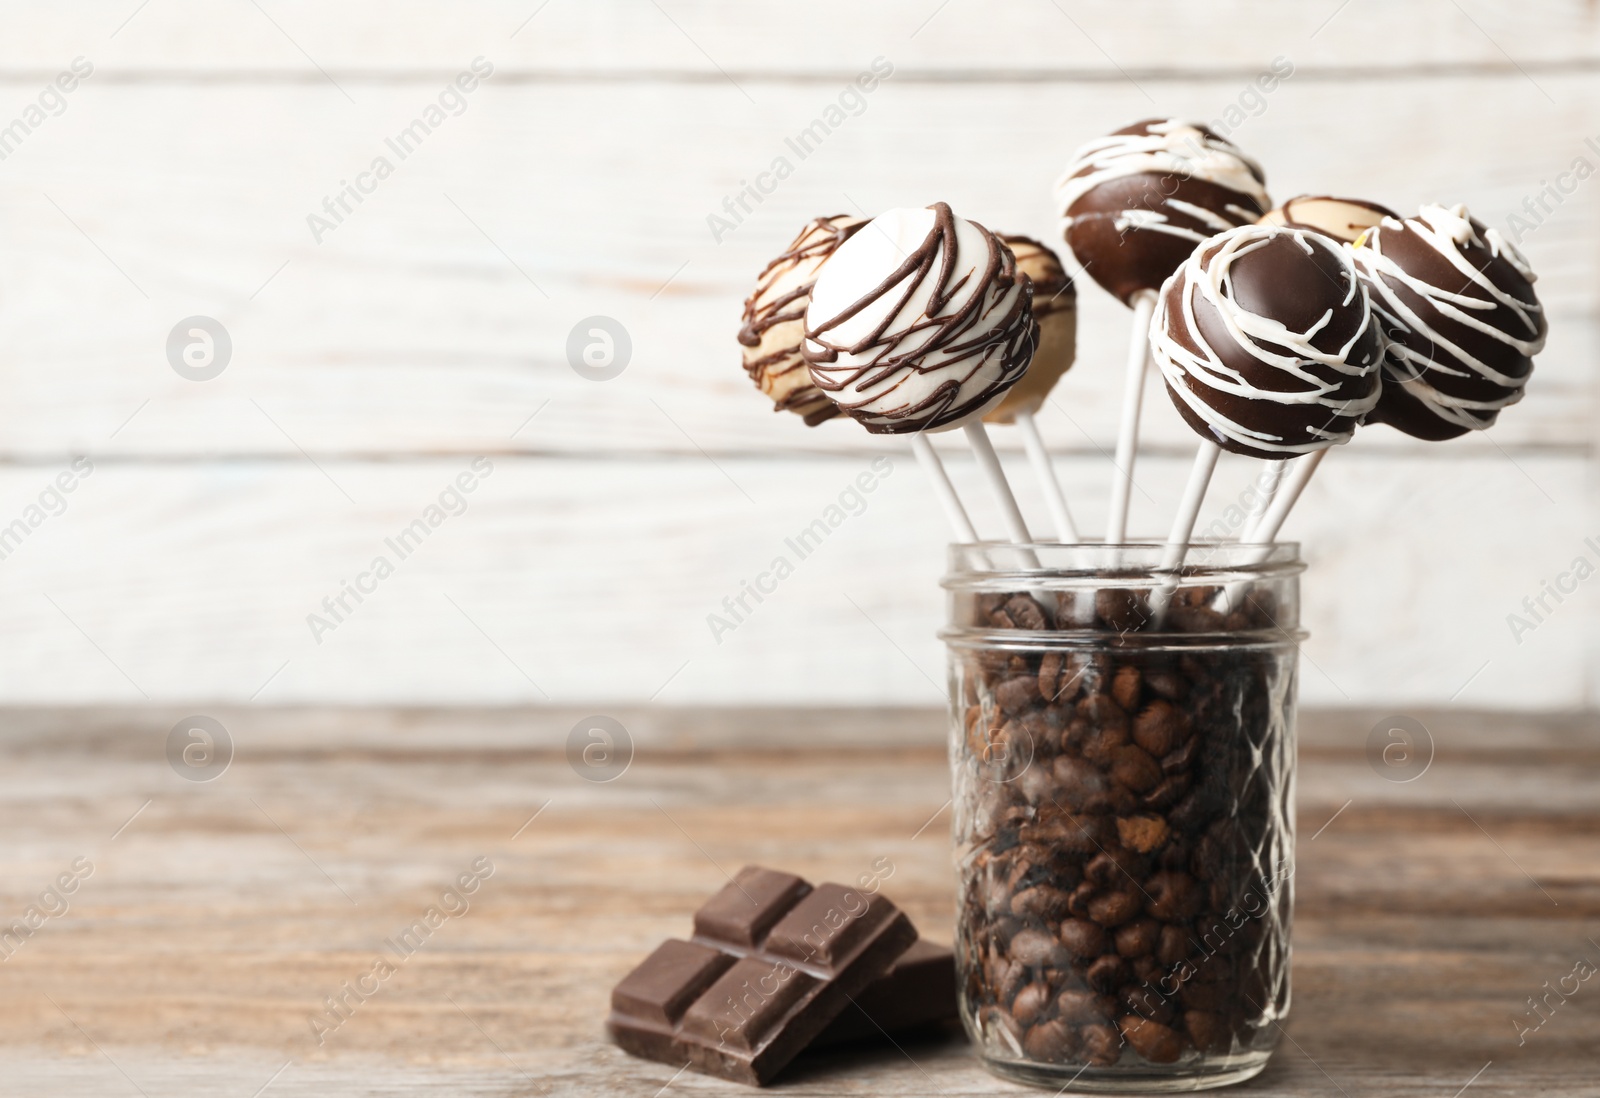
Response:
column 210, row 919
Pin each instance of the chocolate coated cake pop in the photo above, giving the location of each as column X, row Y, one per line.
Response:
column 1135, row 203
column 919, row 321
column 1341, row 218
column 1267, row 342
column 774, row 319
column 1460, row 317
column 1055, row 307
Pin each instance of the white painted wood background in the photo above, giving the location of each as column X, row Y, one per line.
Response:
column 370, row 369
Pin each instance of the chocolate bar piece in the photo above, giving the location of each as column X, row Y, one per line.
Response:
column 772, row 962
column 920, row 990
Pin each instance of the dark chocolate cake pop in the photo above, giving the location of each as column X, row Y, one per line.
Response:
column 1460, row 317
column 1341, row 218
column 1135, row 203
column 1267, row 342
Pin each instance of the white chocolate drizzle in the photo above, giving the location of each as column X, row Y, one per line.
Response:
column 1171, row 147
column 1491, row 311
column 1206, row 276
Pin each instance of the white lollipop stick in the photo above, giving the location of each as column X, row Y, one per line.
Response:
column 1266, row 487
column 928, row 458
column 989, row 464
column 1267, row 530
column 1194, row 493
column 1144, row 306
column 1293, row 484
column 1016, row 525
column 1055, row 499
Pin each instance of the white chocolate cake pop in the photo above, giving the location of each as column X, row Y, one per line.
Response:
column 919, row 321
column 1268, row 343
column 1055, row 308
column 774, row 320
column 1460, row 317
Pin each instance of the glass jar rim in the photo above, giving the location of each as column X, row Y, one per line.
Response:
column 998, row 565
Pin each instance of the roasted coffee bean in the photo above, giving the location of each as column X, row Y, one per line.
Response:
column 1191, row 812
column 1174, row 896
column 1011, row 976
column 1016, row 694
column 1112, row 909
column 1121, row 610
column 1147, row 1002
column 1138, row 938
column 1147, row 970
column 1180, row 760
column 1068, row 833
column 1003, row 929
column 1036, row 785
column 1041, row 902
column 1159, row 727
column 1125, row 687
column 1030, row 1002
column 1152, row 1040
column 1114, row 867
column 1142, row 833
column 1213, row 998
column 1102, row 1044
column 1166, row 683
column 1101, row 744
column 1079, row 898
column 1174, row 945
column 1106, row 973
column 1207, row 1031
column 1038, row 949
column 1168, row 793
column 1134, row 769
column 1052, row 1042
column 1083, row 938
column 1084, row 1007
column 1027, row 613
column 1081, row 787
column 1175, row 855
column 1043, row 728
column 1060, row 677
column 1102, row 712
column 1049, row 675
column 1197, row 619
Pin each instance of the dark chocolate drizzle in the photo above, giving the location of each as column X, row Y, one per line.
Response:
column 962, row 344
column 773, row 372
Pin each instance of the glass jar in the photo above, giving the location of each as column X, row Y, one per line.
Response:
column 1122, row 741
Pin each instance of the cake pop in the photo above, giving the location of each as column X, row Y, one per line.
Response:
column 1341, row 218
column 1460, row 317
column 1269, row 347
column 920, row 322
column 1134, row 204
column 774, row 319
column 1267, row 342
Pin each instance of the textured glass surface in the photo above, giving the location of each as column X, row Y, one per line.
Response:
column 1124, row 839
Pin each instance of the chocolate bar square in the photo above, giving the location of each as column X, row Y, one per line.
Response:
column 772, row 962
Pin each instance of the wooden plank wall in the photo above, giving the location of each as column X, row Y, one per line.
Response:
column 375, row 360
